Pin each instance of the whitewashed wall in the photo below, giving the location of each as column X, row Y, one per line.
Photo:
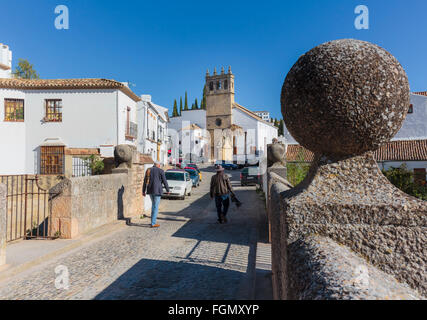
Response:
column 5, row 59
column 249, row 125
column 411, row 165
column 12, row 137
column 193, row 116
column 90, row 119
column 123, row 103
column 415, row 125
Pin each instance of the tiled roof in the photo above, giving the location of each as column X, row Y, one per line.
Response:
column 423, row 93
column 401, row 150
column 47, row 84
column 295, row 152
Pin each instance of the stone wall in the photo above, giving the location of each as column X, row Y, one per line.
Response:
column 85, row 203
column 314, row 259
column 323, row 269
column 342, row 100
column 3, row 211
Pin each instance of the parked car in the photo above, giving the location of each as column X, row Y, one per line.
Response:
column 194, row 175
column 193, row 165
column 180, row 184
column 227, row 165
column 250, row 176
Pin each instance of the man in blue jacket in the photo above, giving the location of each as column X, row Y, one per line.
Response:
column 154, row 181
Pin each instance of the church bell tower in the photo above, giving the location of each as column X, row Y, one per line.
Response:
column 219, row 102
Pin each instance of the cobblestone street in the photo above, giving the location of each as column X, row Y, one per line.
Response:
column 190, row 256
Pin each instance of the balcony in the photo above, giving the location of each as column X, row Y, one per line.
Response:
column 131, row 131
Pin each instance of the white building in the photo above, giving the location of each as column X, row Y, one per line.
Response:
column 42, row 120
column 264, row 115
column 189, row 138
column 5, row 61
column 153, row 136
column 415, row 125
column 233, row 133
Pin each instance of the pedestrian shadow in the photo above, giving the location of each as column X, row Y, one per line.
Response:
column 220, row 265
column 169, row 280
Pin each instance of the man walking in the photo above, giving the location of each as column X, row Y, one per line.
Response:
column 221, row 189
column 154, row 181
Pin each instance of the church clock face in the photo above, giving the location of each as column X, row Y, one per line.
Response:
column 218, row 122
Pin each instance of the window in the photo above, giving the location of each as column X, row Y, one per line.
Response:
column 210, row 86
column 218, row 122
column 54, row 110
column 218, row 85
column 411, row 109
column 13, row 110
column 225, row 84
column 52, row 160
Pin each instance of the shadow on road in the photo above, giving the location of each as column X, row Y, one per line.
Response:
column 221, row 265
column 166, row 280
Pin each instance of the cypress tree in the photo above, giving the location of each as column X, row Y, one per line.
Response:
column 203, row 104
column 186, row 102
column 281, row 128
column 180, row 106
column 175, row 109
column 196, row 105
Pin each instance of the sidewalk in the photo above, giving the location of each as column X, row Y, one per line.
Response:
column 25, row 254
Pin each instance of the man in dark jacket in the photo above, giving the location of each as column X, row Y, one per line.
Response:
column 221, row 189
column 154, row 181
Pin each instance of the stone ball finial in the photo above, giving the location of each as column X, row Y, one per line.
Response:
column 123, row 156
column 345, row 97
column 276, row 154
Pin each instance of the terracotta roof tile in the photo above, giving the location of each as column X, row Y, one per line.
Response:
column 423, row 93
column 46, row 84
column 401, row 150
column 295, row 152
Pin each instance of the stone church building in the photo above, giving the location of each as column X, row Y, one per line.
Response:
column 231, row 131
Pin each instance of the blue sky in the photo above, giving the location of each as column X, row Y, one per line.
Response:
column 164, row 47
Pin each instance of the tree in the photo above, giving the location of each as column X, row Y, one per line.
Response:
column 180, row 106
column 403, row 178
column 195, row 105
column 281, row 127
column 297, row 171
column 186, row 102
column 203, row 103
column 175, row 109
column 25, row 70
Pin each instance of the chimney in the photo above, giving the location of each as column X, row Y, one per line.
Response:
column 146, row 97
column 5, row 61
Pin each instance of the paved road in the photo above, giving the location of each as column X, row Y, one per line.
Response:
column 190, row 256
